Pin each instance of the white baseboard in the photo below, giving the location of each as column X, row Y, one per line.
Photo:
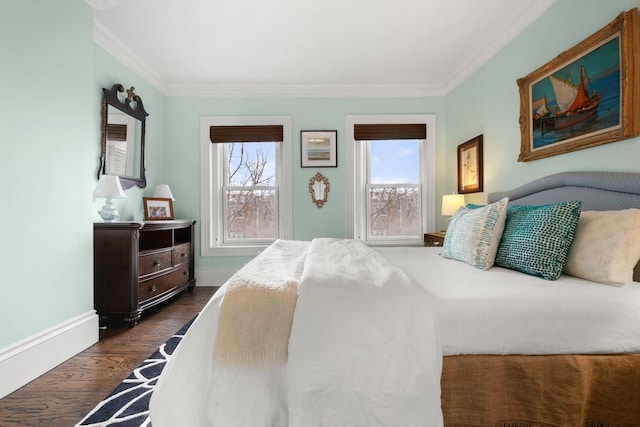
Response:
column 211, row 276
column 26, row 360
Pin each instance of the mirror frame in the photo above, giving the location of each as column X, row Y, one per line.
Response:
column 322, row 180
column 110, row 98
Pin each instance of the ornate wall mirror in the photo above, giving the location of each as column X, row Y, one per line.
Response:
column 122, row 143
column 319, row 188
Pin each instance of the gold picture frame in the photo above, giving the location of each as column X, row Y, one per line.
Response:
column 470, row 170
column 587, row 96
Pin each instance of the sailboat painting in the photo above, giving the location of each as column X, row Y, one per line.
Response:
column 586, row 96
column 580, row 98
column 565, row 106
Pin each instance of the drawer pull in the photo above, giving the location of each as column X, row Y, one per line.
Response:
column 157, row 263
column 183, row 255
column 154, row 288
column 184, row 273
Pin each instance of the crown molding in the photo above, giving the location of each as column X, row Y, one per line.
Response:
column 302, row 90
column 526, row 18
column 112, row 44
column 108, row 41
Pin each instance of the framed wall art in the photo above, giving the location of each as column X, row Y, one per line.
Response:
column 318, row 148
column 470, row 173
column 588, row 95
column 157, row 208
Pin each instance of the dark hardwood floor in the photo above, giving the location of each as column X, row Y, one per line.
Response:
column 64, row 395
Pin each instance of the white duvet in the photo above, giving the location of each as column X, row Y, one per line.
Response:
column 364, row 350
column 502, row 311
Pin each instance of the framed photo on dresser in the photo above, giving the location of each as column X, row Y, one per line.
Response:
column 158, row 208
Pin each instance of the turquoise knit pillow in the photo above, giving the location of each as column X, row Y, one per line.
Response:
column 536, row 239
column 473, row 235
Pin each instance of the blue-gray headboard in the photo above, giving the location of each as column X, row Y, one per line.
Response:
column 598, row 191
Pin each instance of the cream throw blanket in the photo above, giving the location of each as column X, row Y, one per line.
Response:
column 258, row 305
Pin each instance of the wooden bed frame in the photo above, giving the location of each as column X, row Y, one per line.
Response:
column 553, row 390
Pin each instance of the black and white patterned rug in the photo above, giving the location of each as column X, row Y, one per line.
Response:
column 128, row 404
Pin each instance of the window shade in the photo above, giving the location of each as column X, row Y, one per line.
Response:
column 261, row 133
column 116, row 132
column 372, row 132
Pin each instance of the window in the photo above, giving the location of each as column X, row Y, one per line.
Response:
column 249, row 192
column 245, row 183
column 393, row 181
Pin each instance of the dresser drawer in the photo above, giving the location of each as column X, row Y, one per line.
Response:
column 154, row 262
column 181, row 253
column 153, row 287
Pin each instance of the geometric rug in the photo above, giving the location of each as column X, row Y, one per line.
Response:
column 128, row 404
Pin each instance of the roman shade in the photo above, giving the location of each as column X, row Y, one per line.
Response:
column 116, row 132
column 260, row 133
column 371, row 132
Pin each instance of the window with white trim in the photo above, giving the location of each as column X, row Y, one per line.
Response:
column 245, row 183
column 393, row 181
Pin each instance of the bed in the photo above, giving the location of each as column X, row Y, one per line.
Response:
column 417, row 336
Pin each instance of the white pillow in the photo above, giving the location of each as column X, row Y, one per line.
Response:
column 473, row 235
column 606, row 247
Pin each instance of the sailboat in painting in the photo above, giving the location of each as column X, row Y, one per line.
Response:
column 574, row 103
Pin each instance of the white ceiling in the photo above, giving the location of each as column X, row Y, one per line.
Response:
column 308, row 47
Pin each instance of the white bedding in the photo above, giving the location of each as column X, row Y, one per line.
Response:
column 364, row 351
column 501, row 311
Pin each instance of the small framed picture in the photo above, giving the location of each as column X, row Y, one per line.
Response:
column 318, row 148
column 157, row 208
column 470, row 174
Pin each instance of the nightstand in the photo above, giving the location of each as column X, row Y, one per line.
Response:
column 433, row 239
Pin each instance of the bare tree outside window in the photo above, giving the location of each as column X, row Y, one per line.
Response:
column 394, row 189
column 250, row 191
column 393, row 210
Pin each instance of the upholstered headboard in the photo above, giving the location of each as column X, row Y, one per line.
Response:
column 598, row 191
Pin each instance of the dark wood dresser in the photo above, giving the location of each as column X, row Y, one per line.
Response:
column 434, row 239
column 140, row 264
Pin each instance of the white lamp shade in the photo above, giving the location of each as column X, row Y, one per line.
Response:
column 109, row 186
column 451, row 203
column 163, row 191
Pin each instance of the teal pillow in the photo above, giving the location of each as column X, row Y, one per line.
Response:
column 473, row 235
column 536, row 239
column 474, row 206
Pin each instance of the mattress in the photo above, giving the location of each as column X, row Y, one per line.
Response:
column 501, row 311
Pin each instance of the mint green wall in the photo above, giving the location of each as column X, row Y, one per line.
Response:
column 488, row 102
column 182, row 152
column 46, row 166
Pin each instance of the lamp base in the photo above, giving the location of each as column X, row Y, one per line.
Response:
column 108, row 211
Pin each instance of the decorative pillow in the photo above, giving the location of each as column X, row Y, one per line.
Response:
column 606, row 247
column 536, row 239
column 473, row 235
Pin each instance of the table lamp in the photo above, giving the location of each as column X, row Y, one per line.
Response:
column 163, row 191
column 109, row 187
column 450, row 204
